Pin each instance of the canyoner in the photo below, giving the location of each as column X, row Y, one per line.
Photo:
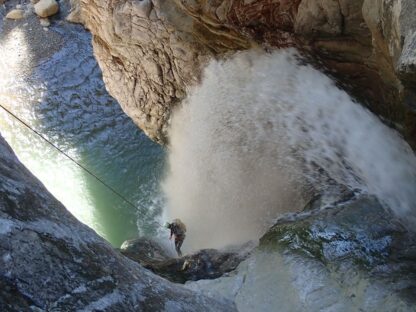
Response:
column 177, row 230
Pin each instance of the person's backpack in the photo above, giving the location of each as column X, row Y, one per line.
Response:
column 180, row 226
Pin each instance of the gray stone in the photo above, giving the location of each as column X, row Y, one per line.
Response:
column 352, row 255
column 50, row 261
column 144, row 250
column 45, row 8
column 44, row 22
column 358, row 229
column 204, row 264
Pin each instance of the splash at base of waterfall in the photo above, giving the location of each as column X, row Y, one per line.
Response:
column 263, row 134
column 350, row 256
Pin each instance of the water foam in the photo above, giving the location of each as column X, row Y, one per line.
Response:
column 262, row 133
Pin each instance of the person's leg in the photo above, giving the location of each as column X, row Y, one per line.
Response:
column 178, row 245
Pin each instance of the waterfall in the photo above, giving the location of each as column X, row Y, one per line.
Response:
column 261, row 134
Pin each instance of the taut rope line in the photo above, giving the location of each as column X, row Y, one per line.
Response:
column 69, row 157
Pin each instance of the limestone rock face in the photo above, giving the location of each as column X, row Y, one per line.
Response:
column 148, row 57
column 393, row 28
column 49, row 261
column 74, row 15
column 45, row 8
column 152, row 51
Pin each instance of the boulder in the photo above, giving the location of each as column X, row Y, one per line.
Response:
column 204, row 264
column 351, row 256
column 44, row 22
column 15, row 14
column 144, row 250
column 359, row 230
column 45, row 8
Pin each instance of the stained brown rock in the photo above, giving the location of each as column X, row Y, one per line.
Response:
column 152, row 51
column 16, row 14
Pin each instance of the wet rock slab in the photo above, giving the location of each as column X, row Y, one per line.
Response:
column 360, row 228
column 353, row 255
column 144, row 250
column 204, row 264
column 359, row 233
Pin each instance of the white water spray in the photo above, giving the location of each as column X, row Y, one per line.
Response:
column 259, row 133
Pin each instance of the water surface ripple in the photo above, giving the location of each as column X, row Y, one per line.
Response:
column 50, row 79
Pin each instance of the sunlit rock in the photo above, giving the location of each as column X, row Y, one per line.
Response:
column 74, row 15
column 151, row 52
column 44, row 22
column 160, row 55
column 45, row 8
column 15, row 14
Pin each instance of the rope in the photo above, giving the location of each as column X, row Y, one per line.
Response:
column 71, row 159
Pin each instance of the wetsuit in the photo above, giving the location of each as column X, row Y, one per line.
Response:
column 179, row 233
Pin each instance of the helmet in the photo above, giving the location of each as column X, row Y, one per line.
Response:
column 166, row 225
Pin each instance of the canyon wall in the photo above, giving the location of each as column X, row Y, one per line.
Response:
column 50, row 261
column 152, row 51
